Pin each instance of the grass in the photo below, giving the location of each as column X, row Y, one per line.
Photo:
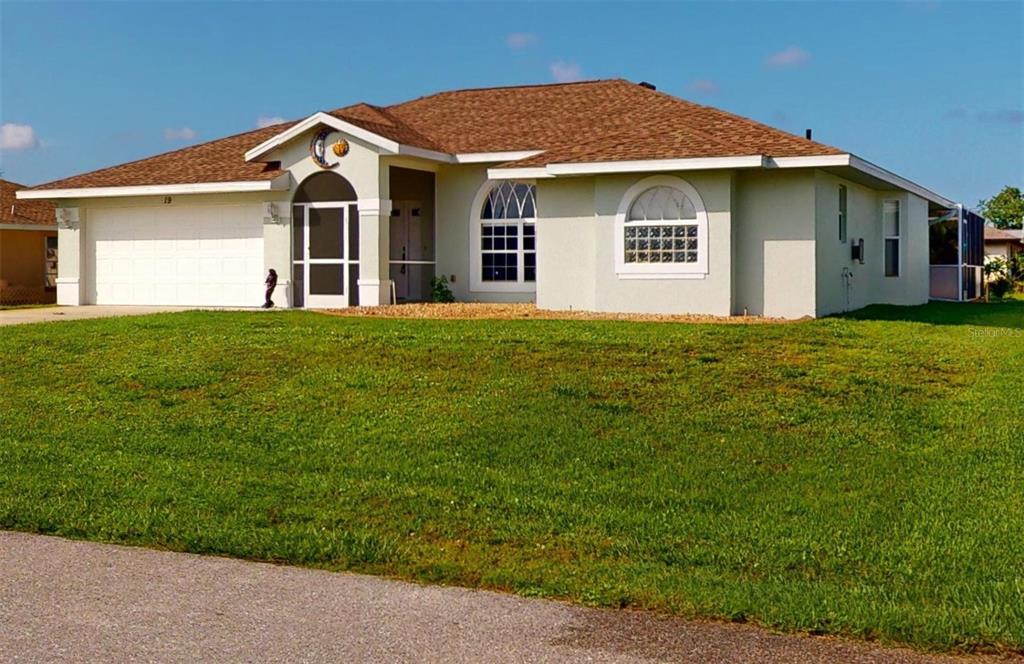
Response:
column 860, row 476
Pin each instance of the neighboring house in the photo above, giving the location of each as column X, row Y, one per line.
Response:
column 1003, row 243
column 602, row 195
column 28, row 248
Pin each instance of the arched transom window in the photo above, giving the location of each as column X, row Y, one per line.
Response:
column 662, row 230
column 506, row 242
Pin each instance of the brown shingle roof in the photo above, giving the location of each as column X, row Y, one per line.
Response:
column 609, row 120
column 222, row 160
column 575, row 122
column 1003, row 235
column 13, row 211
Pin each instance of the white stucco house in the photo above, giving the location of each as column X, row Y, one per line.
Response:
column 602, row 195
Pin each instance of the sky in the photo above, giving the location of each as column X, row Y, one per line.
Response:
column 931, row 90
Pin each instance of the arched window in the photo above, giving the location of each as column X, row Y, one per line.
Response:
column 661, row 230
column 504, row 237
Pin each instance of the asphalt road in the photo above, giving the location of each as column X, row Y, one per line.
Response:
column 70, row 601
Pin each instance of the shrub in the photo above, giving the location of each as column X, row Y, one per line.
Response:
column 439, row 291
column 999, row 287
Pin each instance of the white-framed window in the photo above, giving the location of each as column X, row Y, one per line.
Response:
column 891, row 236
column 503, row 237
column 661, row 231
column 842, row 213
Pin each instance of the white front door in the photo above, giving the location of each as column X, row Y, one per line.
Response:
column 324, row 255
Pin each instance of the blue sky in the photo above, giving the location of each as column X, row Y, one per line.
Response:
column 931, row 90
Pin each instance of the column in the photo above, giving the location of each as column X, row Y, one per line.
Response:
column 374, row 252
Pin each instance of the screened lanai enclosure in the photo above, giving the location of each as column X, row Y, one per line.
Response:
column 957, row 254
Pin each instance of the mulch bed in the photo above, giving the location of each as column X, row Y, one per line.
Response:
column 478, row 310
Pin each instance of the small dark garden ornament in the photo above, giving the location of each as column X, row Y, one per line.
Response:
column 271, row 283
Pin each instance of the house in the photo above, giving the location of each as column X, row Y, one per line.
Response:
column 1003, row 243
column 601, row 195
column 28, row 249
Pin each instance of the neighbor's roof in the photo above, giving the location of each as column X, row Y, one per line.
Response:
column 593, row 121
column 1003, row 235
column 24, row 213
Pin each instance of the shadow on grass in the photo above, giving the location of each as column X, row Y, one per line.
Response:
column 1008, row 313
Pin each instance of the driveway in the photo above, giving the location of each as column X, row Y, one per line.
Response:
column 55, row 313
column 70, row 601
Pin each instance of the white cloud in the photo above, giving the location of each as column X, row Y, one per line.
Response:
column 17, row 137
column 519, row 40
column 180, row 134
column 566, row 72
column 269, row 120
column 790, row 57
column 704, row 86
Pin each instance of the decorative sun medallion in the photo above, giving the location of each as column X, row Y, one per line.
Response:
column 340, row 147
column 318, row 148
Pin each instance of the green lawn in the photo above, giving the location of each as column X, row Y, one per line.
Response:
column 861, row 476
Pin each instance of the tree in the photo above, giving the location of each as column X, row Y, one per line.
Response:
column 1005, row 209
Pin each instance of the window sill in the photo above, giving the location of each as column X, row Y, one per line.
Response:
column 661, row 275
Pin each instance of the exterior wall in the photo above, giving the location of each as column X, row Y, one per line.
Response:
column 22, row 257
column 867, row 283
column 457, row 187
column 576, row 249
column 23, row 266
column 363, row 169
column 76, row 269
column 775, row 247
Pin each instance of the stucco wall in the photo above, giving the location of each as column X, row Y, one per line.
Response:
column 22, row 257
column 457, row 186
column 576, row 249
column 774, row 235
column 868, row 283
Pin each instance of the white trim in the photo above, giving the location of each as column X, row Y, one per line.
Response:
column 888, row 176
column 528, row 173
column 423, row 153
column 368, row 282
column 638, row 166
column 696, row 270
column 485, row 157
column 279, row 183
column 654, row 165
column 667, row 275
column 816, row 161
column 321, row 118
column 27, row 227
column 476, row 282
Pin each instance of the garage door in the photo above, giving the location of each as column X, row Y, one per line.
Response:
column 175, row 255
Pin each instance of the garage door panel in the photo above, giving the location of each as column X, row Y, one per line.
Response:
column 197, row 255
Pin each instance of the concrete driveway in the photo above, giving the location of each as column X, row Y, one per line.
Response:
column 55, row 313
column 69, row 601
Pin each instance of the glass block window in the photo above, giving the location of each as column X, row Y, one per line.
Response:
column 673, row 239
column 508, row 240
column 661, row 244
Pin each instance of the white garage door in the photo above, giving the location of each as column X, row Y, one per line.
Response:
column 175, row 255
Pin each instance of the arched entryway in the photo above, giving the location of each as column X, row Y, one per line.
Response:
column 325, row 242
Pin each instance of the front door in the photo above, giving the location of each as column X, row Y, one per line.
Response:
column 323, row 266
column 412, row 251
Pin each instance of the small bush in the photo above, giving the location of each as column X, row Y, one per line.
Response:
column 439, row 291
column 1000, row 287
